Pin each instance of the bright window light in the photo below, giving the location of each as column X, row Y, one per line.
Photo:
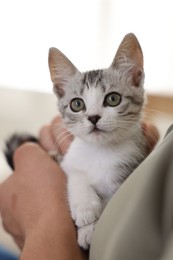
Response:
column 88, row 32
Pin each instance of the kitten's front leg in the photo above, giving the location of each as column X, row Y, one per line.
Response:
column 85, row 234
column 85, row 205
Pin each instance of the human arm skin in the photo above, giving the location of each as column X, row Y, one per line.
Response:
column 34, row 208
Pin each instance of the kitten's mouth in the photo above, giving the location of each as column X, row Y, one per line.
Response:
column 96, row 131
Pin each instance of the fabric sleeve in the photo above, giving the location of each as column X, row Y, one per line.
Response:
column 137, row 223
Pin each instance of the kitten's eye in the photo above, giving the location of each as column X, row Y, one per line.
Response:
column 112, row 99
column 77, row 104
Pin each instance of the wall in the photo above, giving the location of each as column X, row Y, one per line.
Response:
column 88, row 32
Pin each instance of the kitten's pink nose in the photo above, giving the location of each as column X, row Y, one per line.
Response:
column 94, row 119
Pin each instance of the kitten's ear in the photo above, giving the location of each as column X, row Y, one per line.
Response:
column 61, row 70
column 130, row 53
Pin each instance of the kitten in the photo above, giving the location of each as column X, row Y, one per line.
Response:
column 103, row 110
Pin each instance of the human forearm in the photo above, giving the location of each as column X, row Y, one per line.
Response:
column 34, row 207
column 51, row 240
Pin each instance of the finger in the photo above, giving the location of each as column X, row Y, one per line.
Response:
column 6, row 227
column 15, row 232
column 31, row 159
column 55, row 137
column 28, row 153
column 19, row 241
column 57, row 120
column 5, row 192
column 152, row 135
column 46, row 139
column 61, row 137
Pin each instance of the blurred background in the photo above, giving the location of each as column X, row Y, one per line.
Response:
column 88, row 32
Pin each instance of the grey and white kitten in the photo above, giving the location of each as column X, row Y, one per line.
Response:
column 103, row 110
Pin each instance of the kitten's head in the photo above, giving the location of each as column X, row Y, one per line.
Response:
column 101, row 105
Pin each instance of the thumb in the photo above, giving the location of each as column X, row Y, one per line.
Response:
column 27, row 154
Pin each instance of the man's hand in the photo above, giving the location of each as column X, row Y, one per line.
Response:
column 34, row 207
column 55, row 138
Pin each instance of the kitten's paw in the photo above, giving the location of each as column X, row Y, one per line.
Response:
column 84, row 215
column 85, row 235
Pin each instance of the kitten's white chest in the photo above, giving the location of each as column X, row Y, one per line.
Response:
column 95, row 163
column 85, row 157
